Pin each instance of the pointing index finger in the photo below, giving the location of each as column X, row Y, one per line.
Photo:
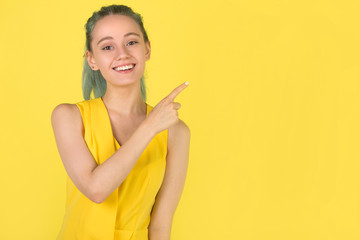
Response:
column 171, row 97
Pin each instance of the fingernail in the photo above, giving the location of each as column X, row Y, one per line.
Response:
column 186, row 83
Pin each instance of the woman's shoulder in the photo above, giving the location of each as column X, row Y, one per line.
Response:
column 180, row 127
column 178, row 133
column 66, row 108
column 65, row 112
column 73, row 109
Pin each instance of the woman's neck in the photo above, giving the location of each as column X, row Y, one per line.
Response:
column 124, row 101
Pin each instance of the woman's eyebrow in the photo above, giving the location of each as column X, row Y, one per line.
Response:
column 109, row 37
column 105, row 38
column 132, row 33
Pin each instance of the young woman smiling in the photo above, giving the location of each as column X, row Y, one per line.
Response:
column 126, row 161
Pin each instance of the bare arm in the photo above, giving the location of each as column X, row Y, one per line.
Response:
column 96, row 182
column 171, row 189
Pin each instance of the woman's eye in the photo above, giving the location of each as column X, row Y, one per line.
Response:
column 106, row 48
column 132, row 42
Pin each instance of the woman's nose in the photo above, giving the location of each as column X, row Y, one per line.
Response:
column 122, row 52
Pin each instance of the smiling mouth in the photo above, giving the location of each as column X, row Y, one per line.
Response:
column 126, row 68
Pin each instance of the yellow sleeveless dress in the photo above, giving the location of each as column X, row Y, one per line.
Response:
column 125, row 214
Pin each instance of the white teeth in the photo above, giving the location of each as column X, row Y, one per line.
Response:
column 124, row 67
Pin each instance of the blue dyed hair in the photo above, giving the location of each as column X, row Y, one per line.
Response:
column 93, row 81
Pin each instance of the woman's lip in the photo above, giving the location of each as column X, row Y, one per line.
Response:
column 125, row 71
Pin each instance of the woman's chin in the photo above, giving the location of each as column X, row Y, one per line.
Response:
column 124, row 82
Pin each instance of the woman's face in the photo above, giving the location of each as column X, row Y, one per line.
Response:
column 118, row 42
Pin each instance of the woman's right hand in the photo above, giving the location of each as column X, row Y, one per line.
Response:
column 165, row 114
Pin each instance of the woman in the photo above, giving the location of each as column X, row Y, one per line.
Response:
column 126, row 161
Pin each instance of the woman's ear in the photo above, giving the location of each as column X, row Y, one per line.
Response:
column 147, row 50
column 91, row 61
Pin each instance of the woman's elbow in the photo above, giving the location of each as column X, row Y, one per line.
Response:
column 96, row 195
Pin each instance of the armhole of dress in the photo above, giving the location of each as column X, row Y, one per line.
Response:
column 80, row 108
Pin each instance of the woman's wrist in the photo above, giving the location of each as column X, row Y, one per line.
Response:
column 147, row 129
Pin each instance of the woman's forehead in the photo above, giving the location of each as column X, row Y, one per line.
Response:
column 117, row 25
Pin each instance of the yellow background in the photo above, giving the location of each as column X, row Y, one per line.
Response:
column 273, row 108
